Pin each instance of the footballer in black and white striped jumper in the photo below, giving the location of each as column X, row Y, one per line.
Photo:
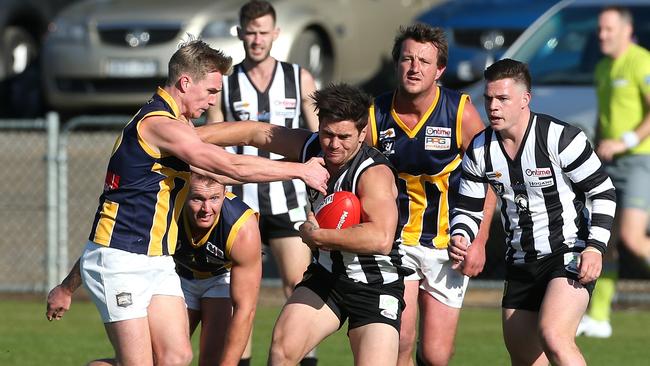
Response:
column 545, row 173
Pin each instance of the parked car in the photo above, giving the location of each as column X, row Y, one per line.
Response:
column 112, row 53
column 23, row 23
column 561, row 49
column 479, row 31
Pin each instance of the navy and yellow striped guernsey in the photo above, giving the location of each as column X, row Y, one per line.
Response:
column 210, row 256
column 428, row 159
column 144, row 191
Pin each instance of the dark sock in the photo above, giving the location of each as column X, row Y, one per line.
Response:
column 418, row 358
column 245, row 362
column 309, row 361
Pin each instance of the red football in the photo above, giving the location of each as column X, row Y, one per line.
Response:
column 338, row 210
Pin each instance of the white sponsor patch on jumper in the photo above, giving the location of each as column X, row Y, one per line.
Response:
column 387, row 133
column 541, row 183
column 438, row 131
column 437, row 143
column 539, row 172
column 389, row 306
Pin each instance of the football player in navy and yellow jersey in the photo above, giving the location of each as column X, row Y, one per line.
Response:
column 127, row 265
column 220, row 264
column 423, row 129
column 218, row 259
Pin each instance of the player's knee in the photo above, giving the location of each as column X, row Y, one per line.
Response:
column 434, row 356
column 280, row 352
column 556, row 342
column 278, row 355
column 175, row 356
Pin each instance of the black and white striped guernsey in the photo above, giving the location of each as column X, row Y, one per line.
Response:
column 543, row 190
column 280, row 105
column 370, row 269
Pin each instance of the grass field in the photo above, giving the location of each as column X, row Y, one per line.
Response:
column 27, row 338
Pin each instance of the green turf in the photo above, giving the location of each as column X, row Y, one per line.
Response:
column 26, row 338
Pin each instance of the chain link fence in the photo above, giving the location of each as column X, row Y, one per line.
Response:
column 84, row 149
column 27, row 238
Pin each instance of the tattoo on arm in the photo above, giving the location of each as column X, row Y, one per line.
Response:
column 73, row 280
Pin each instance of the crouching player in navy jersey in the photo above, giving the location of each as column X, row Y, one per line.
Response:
column 219, row 262
column 543, row 170
column 357, row 272
column 218, row 258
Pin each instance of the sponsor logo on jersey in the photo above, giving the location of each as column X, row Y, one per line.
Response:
column 539, row 172
column 238, row 106
column 436, row 143
column 387, row 133
column 493, row 175
column 438, row 131
column 289, row 103
column 541, row 183
column 287, row 113
column 124, row 299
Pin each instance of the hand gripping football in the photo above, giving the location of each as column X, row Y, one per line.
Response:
column 338, row 210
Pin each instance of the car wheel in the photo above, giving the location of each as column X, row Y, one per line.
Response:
column 313, row 52
column 19, row 50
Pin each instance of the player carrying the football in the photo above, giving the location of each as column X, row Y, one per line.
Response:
column 357, row 271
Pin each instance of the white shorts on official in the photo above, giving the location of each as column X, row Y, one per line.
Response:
column 122, row 283
column 433, row 269
column 213, row 287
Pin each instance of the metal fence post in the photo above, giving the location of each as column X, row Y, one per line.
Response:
column 63, row 201
column 52, row 122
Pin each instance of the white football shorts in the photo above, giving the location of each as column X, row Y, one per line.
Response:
column 212, row 287
column 122, row 283
column 433, row 269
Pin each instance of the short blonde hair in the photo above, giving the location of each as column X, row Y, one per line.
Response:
column 197, row 59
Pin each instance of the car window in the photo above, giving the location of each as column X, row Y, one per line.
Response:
column 565, row 50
